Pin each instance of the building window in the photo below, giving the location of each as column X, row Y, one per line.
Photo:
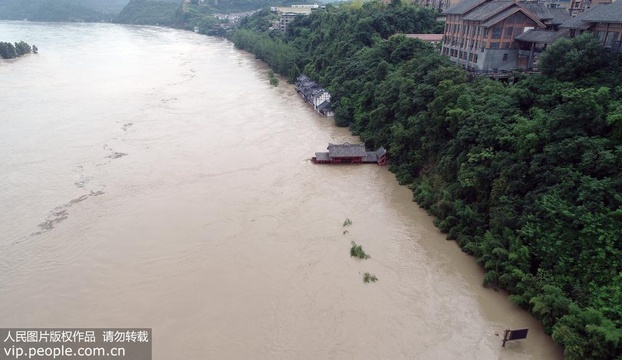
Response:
column 611, row 37
column 474, row 58
column 494, row 45
column 496, row 32
column 601, row 35
column 505, row 57
column 518, row 31
column 508, row 32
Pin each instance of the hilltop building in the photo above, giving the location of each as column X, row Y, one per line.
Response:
column 577, row 7
column 499, row 35
column 439, row 5
column 288, row 14
column 604, row 20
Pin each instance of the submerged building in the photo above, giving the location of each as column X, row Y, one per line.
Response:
column 315, row 95
column 350, row 154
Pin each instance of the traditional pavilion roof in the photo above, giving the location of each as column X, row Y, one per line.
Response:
column 347, row 150
column 322, row 156
column 510, row 11
column 538, row 9
column 541, row 36
column 576, row 23
column 496, row 10
column 463, row 7
column 487, row 10
column 560, row 15
column 602, row 13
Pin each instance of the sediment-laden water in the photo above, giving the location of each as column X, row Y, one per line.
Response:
column 153, row 178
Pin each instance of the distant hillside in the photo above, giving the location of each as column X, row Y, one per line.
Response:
column 148, row 12
column 232, row 6
column 60, row 10
column 196, row 13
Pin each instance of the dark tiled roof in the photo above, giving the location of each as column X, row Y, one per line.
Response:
column 541, row 36
column 347, row 150
column 373, row 156
column 502, row 15
column 607, row 13
column 463, row 7
column 576, row 23
column 539, row 10
column 508, row 12
column 323, row 106
column 604, row 13
column 560, row 15
column 514, row 9
column 487, row 10
column 322, row 156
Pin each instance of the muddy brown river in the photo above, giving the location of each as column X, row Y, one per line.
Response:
column 153, row 178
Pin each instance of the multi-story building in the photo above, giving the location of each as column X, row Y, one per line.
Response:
column 604, row 20
column 482, row 35
column 576, row 7
column 439, row 5
column 288, row 14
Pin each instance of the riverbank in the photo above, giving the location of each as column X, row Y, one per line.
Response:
column 481, row 156
column 200, row 215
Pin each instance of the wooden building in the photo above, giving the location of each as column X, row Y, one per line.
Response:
column 481, row 35
column 315, row 95
column 439, row 5
column 604, row 20
column 577, row 7
column 350, row 154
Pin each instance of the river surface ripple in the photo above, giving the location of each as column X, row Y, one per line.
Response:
column 153, row 178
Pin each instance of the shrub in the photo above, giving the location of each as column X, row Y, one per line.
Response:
column 367, row 277
column 357, row 251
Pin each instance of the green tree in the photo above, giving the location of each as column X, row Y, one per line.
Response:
column 569, row 59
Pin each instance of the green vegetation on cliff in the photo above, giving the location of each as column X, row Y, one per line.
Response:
column 148, row 12
column 526, row 178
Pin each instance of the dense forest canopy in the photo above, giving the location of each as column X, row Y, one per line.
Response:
column 526, row 178
column 148, row 12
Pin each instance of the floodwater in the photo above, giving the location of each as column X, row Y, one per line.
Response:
column 153, row 178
